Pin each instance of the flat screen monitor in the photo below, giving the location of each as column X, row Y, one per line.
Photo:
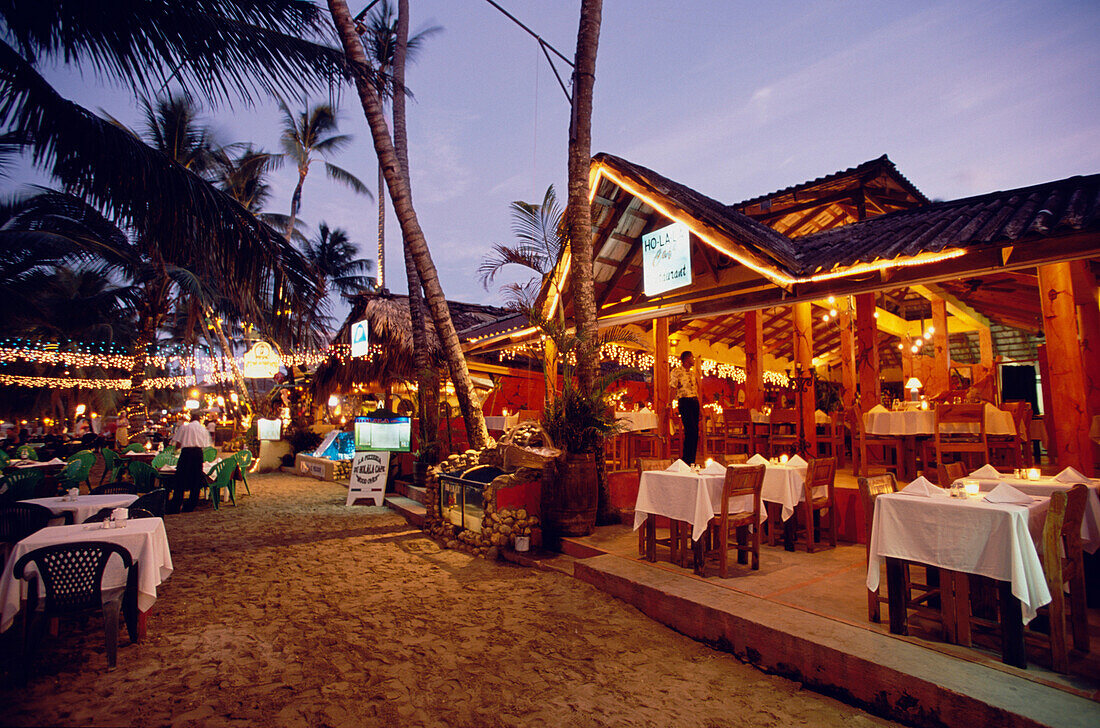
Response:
column 383, row 433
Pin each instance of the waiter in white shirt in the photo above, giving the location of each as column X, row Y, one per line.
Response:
column 191, row 438
column 685, row 387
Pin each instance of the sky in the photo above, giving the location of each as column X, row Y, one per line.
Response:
column 734, row 99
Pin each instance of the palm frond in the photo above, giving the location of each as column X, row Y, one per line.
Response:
column 349, row 180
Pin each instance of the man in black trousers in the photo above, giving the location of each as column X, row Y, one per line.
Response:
column 685, row 387
column 191, row 438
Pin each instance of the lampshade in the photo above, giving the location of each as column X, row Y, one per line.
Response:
column 913, row 383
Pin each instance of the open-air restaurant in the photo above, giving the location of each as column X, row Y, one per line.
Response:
column 841, row 383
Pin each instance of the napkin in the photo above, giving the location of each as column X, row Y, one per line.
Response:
column 986, row 472
column 878, row 408
column 55, row 461
column 679, row 467
column 757, row 459
column 1005, row 493
column 714, row 468
column 797, row 462
column 921, row 486
column 1070, row 475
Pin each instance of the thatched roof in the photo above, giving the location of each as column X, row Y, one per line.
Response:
column 391, row 340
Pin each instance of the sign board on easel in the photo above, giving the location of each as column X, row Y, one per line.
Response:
column 369, row 472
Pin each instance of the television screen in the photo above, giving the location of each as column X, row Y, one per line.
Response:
column 383, row 433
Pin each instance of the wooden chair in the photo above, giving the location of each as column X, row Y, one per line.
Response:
column 1014, row 450
column 783, row 433
column 713, row 436
column 740, row 433
column 616, row 451
column 870, row 489
column 1063, row 564
column 647, row 534
column 820, row 473
column 948, row 473
column 966, row 435
column 831, row 438
column 731, row 529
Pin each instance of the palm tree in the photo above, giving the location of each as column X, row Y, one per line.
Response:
column 380, row 39
column 398, row 183
column 539, row 231
column 218, row 49
column 332, row 255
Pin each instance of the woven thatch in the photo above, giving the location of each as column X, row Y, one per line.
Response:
column 391, row 341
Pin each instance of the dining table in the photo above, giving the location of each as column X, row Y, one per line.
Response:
column 145, row 539
column 636, row 420
column 83, row 506
column 962, row 536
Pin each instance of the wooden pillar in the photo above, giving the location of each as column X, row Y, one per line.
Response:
column 1088, row 326
column 867, row 352
column 803, row 319
column 660, row 376
column 1070, row 415
column 848, row 358
column 906, row 362
column 941, row 358
column 985, row 372
column 754, row 359
column 1047, row 396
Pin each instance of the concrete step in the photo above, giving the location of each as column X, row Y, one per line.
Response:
column 412, row 511
column 410, row 491
column 888, row 675
column 543, row 560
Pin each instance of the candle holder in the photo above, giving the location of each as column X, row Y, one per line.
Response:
column 800, row 382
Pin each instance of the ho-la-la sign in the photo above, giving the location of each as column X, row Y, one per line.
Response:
column 261, row 361
column 666, row 259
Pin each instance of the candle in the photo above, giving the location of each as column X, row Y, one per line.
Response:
column 783, row 459
column 971, row 487
column 1033, row 474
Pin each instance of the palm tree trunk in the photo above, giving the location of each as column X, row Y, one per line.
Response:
column 397, row 182
column 381, row 229
column 427, row 379
column 148, row 323
column 238, row 378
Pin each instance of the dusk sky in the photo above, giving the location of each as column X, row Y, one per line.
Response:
column 734, row 99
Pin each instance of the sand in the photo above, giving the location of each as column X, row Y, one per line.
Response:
column 293, row 610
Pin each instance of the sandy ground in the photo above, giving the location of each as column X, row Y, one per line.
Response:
column 292, row 610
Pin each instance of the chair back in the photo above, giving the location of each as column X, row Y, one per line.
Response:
column 154, row 501
column 26, row 452
column 222, row 472
column 950, row 472
column 87, row 456
column 133, row 512
column 785, row 421
column 116, row 488
column 164, row 457
column 244, row 458
column 740, row 482
column 4, row 458
column 645, row 464
column 144, row 475
column 870, row 489
column 1062, row 529
column 209, row 454
column 72, row 573
column 820, row 472
column 19, row 520
column 134, row 447
column 21, row 484
column 970, row 415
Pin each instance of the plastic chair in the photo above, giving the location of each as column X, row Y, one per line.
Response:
column 209, row 454
column 144, row 475
column 134, row 447
column 19, row 520
column 73, row 577
column 244, row 460
column 162, row 458
column 26, row 452
column 112, row 465
column 4, row 459
column 118, row 487
column 221, row 476
column 155, row 501
column 21, row 484
column 104, row 514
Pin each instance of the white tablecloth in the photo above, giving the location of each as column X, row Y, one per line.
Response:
column 963, row 534
column 85, row 505
column 1090, row 524
column 783, row 485
column 690, row 497
column 500, row 422
column 31, row 464
column 639, row 420
column 144, row 538
column 923, row 422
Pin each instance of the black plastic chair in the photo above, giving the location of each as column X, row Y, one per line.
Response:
column 19, row 520
column 120, row 487
column 21, row 484
column 104, row 514
column 72, row 574
column 155, row 501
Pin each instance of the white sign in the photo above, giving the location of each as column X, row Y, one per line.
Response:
column 261, row 361
column 269, row 429
column 360, row 338
column 666, row 258
column 369, row 472
column 314, row 469
column 330, row 437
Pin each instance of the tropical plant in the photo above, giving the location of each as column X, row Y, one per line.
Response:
column 539, row 230
column 332, row 255
column 399, row 186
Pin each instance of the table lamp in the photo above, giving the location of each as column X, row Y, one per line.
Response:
column 913, row 385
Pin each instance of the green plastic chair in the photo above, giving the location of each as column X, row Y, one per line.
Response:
column 112, row 465
column 26, row 452
column 72, row 476
column 144, row 475
column 244, row 458
column 164, row 457
column 221, row 476
column 86, row 459
column 4, row 459
column 134, row 447
column 209, row 454
column 20, row 485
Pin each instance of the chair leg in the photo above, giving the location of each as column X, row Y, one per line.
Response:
column 808, row 518
column 832, row 525
column 723, row 555
column 742, row 544
column 110, row 629
column 756, row 546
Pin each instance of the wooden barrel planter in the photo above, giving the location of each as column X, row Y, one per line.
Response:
column 573, row 492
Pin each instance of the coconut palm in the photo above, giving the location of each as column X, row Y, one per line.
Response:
column 539, row 232
column 380, row 39
column 332, row 255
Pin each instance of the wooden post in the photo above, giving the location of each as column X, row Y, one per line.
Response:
column 802, row 318
column 867, row 352
column 754, row 359
column 1088, row 326
column 1070, row 417
column 941, row 363
column 848, row 358
column 661, row 376
column 906, row 361
column 985, row 372
column 1047, row 395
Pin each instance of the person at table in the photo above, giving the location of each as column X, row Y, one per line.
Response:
column 191, row 437
column 685, row 387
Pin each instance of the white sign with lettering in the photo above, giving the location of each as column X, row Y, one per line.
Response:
column 666, row 258
column 369, row 472
column 261, row 361
column 360, row 338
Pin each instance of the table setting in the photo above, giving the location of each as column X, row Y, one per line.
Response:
column 83, row 506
